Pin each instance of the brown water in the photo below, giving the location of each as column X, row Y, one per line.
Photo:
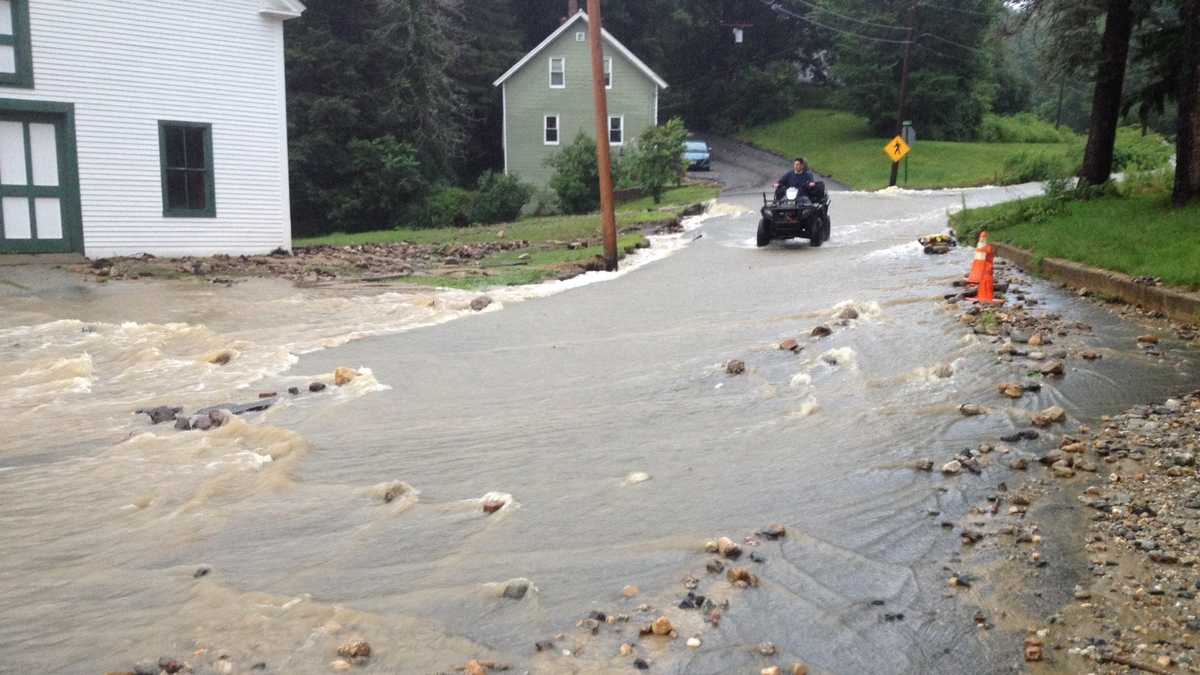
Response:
column 555, row 396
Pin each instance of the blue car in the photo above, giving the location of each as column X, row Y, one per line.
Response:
column 697, row 156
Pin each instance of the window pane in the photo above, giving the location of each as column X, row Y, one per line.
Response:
column 197, row 196
column 195, row 148
column 16, row 218
column 551, row 122
column 177, row 189
column 552, row 135
column 174, row 139
column 43, row 147
column 8, row 59
column 12, row 153
column 49, row 218
column 556, row 79
column 6, row 17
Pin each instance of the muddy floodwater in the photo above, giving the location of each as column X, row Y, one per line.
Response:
column 269, row 541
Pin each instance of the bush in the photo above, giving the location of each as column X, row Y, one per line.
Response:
column 657, row 159
column 387, row 180
column 1135, row 152
column 444, row 206
column 1025, row 167
column 543, row 203
column 499, row 198
column 1022, row 128
column 576, row 178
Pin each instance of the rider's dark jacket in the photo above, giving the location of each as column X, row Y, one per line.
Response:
column 800, row 180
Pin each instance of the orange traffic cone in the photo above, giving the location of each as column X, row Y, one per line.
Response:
column 987, row 284
column 976, row 274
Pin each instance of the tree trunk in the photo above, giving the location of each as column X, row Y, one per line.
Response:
column 1187, row 143
column 1106, row 100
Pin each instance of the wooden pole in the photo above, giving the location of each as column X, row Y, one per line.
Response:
column 603, row 152
column 912, row 12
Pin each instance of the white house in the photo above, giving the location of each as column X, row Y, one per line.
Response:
column 143, row 126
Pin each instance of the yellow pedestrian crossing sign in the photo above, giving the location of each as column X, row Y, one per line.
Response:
column 896, row 149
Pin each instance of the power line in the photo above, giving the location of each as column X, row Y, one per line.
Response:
column 848, row 18
column 952, row 42
column 947, row 8
column 779, row 8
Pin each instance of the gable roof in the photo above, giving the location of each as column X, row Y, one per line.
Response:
column 608, row 38
column 282, row 9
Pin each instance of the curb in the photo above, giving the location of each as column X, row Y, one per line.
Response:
column 1176, row 304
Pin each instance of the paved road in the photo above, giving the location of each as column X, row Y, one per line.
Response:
column 744, row 169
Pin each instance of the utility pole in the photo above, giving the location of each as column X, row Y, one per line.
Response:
column 912, row 18
column 603, row 156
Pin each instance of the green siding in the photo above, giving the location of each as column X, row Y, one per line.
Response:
column 529, row 99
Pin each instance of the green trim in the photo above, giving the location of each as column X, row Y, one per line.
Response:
column 22, row 47
column 62, row 115
column 210, row 188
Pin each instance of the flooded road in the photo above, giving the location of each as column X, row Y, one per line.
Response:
column 268, row 541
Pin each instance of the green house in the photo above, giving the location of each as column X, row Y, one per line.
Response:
column 547, row 99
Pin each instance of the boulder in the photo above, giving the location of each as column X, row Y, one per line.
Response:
column 481, row 303
column 1012, row 390
column 952, row 467
column 343, row 376
column 1052, row 368
column 735, row 367
column 1055, row 414
column 160, row 414
column 728, row 548
column 821, row 331
column 661, row 626
column 356, row 650
column 315, row 387
column 847, row 313
column 741, row 577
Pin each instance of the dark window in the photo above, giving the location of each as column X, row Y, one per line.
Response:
column 16, row 58
column 551, row 130
column 185, row 150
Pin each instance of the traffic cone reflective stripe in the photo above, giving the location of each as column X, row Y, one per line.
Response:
column 977, row 266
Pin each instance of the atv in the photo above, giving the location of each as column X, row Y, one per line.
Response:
column 791, row 215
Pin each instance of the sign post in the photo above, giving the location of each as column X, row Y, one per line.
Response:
column 910, row 136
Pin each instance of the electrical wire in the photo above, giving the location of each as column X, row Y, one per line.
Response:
column 849, row 18
column 947, row 8
column 952, row 42
column 779, row 8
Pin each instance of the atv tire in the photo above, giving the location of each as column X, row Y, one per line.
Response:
column 822, row 233
column 764, row 233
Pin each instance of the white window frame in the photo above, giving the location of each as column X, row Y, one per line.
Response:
column 608, row 72
column 557, row 128
column 580, row 36
column 610, row 129
column 563, row 59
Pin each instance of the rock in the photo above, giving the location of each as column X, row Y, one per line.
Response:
column 661, row 626
column 1041, row 421
column 160, row 414
column 474, row 668
column 315, row 387
column 294, row 391
column 970, row 409
column 798, row 669
column 481, row 303
column 741, row 577
column 1037, row 340
column 200, row 422
column 1019, row 464
column 516, row 589
column 773, row 670
column 146, row 667
column 693, row 643
column 715, row 566
column 952, row 467
column 923, row 465
column 1052, row 368
column 641, row 664
column 848, row 313
column 169, row 665
column 494, row 501
column 1012, row 390
column 1033, row 649
column 735, row 366
column 630, row 591
column 340, row 665
column 548, row 646
column 357, row 650
column 1148, row 339
column 220, row 417
column 728, row 548
column 201, row 571
column 942, row 370
column 221, row 358
column 773, row 531
column 344, row 376
column 821, row 331
column 637, row 477
column 1055, row 414
column 1081, row 593
column 394, row 491
column 268, row 394
column 766, row 648
column 1089, row 355
column 626, row 649
column 183, row 423
column 790, row 345
column 1062, row 470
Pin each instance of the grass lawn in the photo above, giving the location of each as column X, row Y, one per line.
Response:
column 839, row 145
column 1140, row 235
column 549, row 236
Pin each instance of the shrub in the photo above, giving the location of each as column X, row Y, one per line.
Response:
column 1022, row 128
column 657, row 160
column 576, row 179
column 1135, row 152
column 1025, row 167
column 444, row 206
column 387, row 179
column 499, row 198
column 543, row 203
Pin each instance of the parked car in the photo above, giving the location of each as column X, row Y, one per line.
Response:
column 697, row 155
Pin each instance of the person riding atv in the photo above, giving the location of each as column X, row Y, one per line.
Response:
column 799, row 177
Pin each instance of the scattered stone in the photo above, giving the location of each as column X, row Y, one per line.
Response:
column 315, row 387
column 1033, row 649
column 848, row 313
column 772, row 670
column 715, row 566
column 798, row 669
column 952, row 467
column 790, row 345
column 821, row 331
column 630, row 591
column 626, row 649
column 728, row 548
column 641, row 664
column 1148, row 339
column 741, row 577
column 1090, row 355
column 735, row 367
column 294, row 391
column 357, row 651
column 1018, row 464
column 201, row 571
column 1055, row 414
column 773, row 531
column 1012, row 390
column 923, row 465
column 662, row 626
column 548, row 646
column 693, row 643
column 1052, row 368
column 494, row 501
column 480, row 303
column 970, row 409
column 340, row 665
column 221, row 358
column 766, row 648
column 160, row 414
column 474, row 668
column 344, row 376
column 169, row 665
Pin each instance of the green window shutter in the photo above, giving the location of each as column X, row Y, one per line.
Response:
column 16, row 53
column 186, row 158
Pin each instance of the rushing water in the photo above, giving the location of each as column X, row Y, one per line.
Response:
column 553, row 398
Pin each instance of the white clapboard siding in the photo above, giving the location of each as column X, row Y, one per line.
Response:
column 126, row 64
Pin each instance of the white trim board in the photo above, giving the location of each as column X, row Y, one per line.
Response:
column 608, row 38
column 283, row 9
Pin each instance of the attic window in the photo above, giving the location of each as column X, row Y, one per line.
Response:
column 608, row 73
column 16, row 66
column 558, row 73
column 581, row 36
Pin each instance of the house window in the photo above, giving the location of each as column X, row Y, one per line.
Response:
column 608, row 73
column 16, row 62
column 616, row 129
column 185, row 153
column 551, row 130
column 558, row 73
column 580, row 36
